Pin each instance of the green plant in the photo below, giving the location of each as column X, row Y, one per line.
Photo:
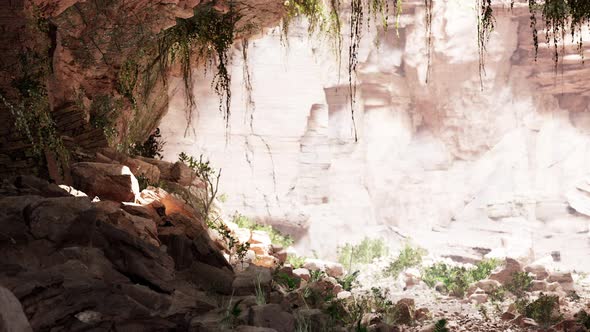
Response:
column 583, row 319
column 151, row 148
column 295, row 261
column 103, row 111
column 259, row 292
column 349, row 280
column 408, row 257
column 222, row 198
column 362, row 253
column 276, row 237
column 289, row 282
column 441, row 326
column 457, row 278
column 519, row 284
column 544, row 310
column 231, row 314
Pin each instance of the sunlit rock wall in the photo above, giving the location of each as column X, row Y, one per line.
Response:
column 455, row 169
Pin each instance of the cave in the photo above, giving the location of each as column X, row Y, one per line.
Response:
column 298, row 165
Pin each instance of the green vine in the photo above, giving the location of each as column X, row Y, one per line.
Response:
column 356, row 26
column 559, row 16
column 485, row 25
column 209, row 35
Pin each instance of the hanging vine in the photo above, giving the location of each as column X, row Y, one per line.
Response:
column 208, row 36
column 250, row 105
column 485, row 26
column 356, row 26
column 428, row 37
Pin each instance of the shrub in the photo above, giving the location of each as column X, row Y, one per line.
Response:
column 441, row 326
column 519, row 284
column 151, row 148
column 289, row 282
column 544, row 310
column 408, row 257
column 348, row 280
column 457, row 278
column 362, row 253
column 295, row 261
column 276, row 237
column 583, row 319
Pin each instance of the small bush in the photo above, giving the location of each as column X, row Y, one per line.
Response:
column 362, row 253
column 289, row 282
column 583, row 319
column 441, row 326
column 151, row 148
column 295, row 261
column 544, row 310
column 349, row 280
column 519, row 284
column 276, row 237
column 408, row 257
column 457, row 278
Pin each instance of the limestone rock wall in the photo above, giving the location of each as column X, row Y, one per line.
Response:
column 454, row 168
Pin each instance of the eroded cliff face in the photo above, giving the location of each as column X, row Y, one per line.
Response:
column 455, row 168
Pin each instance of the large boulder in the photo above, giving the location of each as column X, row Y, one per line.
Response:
column 246, row 281
column 52, row 217
column 143, row 228
column 107, row 181
column 12, row 317
column 188, row 240
column 271, row 316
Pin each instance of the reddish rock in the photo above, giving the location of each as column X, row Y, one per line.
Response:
column 107, row 181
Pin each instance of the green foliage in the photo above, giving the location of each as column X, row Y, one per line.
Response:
column 351, row 311
column 485, row 26
column 544, row 310
column 103, row 113
column 259, row 292
column 276, row 237
column 295, row 261
column 441, row 326
column 457, row 278
column 349, row 280
column 151, row 148
column 583, row 319
column 127, row 79
column 231, row 314
column 30, row 107
column 408, row 257
column 211, row 34
column 362, row 253
column 289, row 282
column 519, row 284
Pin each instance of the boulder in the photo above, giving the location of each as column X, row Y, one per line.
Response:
column 12, row 317
column 564, row 279
column 333, row 269
column 107, row 181
column 538, row 285
column 478, row 297
column 142, row 168
column 316, row 320
column 140, row 227
column 271, row 316
column 245, row 328
column 183, row 175
column 260, row 237
column 538, row 271
column 187, row 240
column 164, row 167
column 266, row 261
column 504, row 273
column 302, row 273
column 246, row 281
column 51, row 218
column 405, row 310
